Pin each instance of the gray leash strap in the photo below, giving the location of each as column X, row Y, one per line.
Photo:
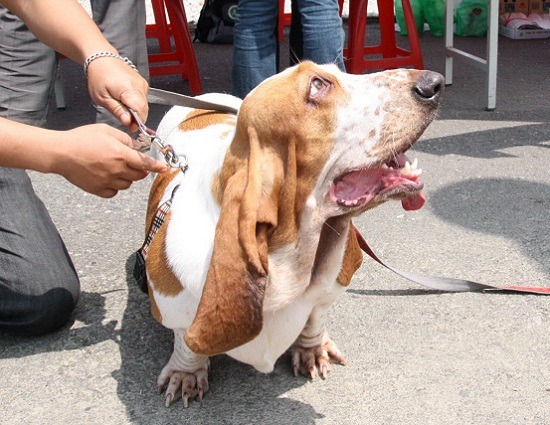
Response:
column 163, row 97
column 446, row 284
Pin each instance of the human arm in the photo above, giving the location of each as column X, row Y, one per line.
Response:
column 96, row 158
column 66, row 27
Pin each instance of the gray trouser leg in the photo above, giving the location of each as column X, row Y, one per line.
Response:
column 39, row 286
column 27, row 70
column 123, row 24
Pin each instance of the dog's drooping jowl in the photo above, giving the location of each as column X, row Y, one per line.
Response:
column 258, row 242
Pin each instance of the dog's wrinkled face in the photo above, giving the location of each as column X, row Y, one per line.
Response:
column 352, row 131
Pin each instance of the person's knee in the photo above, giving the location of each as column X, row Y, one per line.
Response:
column 39, row 314
column 54, row 308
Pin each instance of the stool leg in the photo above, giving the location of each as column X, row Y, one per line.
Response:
column 386, row 18
column 414, row 41
column 356, row 36
column 160, row 29
column 184, row 44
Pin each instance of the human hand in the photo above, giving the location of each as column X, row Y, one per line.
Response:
column 99, row 159
column 115, row 86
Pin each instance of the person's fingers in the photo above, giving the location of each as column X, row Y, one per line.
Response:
column 132, row 175
column 136, row 100
column 124, row 138
column 133, row 127
column 119, row 111
column 139, row 161
column 121, row 136
column 106, row 193
column 122, row 183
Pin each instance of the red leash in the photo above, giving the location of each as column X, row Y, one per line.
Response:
column 444, row 283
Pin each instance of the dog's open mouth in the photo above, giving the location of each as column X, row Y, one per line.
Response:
column 395, row 179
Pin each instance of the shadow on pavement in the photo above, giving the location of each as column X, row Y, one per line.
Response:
column 90, row 311
column 488, row 144
column 519, row 212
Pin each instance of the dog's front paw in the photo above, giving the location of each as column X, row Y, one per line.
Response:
column 315, row 361
column 186, row 385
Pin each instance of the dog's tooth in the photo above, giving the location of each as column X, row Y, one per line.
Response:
column 350, row 203
column 385, row 166
column 414, row 165
column 406, row 170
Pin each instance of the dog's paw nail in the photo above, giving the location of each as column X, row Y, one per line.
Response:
column 168, row 400
column 186, row 400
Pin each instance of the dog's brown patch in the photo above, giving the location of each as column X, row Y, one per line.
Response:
column 161, row 182
column 155, row 311
column 158, row 268
column 353, row 257
column 200, row 118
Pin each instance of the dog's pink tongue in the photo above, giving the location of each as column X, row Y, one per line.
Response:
column 414, row 202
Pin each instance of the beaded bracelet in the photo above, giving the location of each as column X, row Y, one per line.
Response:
column 96, row 55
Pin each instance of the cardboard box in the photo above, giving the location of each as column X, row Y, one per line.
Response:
column 523, row 34
column 510, row 6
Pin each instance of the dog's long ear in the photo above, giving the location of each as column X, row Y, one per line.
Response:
column 230, row 310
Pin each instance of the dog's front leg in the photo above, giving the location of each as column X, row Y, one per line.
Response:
column 185, row 375
column 314, row 351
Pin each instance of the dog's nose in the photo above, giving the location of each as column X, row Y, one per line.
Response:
column 430, row 86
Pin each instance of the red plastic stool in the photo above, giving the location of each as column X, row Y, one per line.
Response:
column 184, row 54
column 392, row 55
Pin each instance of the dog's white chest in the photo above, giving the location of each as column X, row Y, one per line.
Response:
column 280, row 330
column 283, row 321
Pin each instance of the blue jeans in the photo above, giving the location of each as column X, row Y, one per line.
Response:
column 255, row 44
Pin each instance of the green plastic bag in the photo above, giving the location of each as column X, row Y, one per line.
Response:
column 434, row 12
column 471, row 18
column 418, row 16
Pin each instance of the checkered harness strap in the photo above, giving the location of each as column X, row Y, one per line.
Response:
column 158, row 221
column 139, row 269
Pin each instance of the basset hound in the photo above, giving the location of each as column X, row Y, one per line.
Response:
column 258, row 241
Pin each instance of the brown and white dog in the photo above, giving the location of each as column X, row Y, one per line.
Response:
column 258, row 242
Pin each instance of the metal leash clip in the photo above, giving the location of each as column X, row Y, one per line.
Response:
column 174, row 160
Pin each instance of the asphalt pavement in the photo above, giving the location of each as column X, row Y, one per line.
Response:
column 415, row 356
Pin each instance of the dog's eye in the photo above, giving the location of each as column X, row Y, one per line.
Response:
column 317, row 88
